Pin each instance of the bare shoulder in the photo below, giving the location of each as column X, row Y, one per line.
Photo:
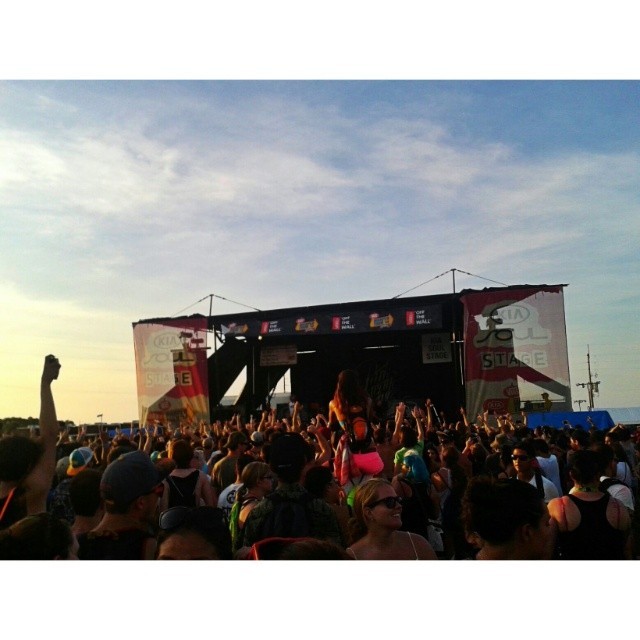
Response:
column 423, row 548
column 618, row 515
column 359, row 550
column 562, row 510
column 554, row 505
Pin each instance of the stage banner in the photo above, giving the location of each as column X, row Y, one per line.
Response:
column 386, row 317
column 515, row 349
column 171, row 370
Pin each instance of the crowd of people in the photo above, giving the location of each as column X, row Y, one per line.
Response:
column 345, row 485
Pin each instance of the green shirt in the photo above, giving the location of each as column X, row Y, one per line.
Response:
column 399, row 455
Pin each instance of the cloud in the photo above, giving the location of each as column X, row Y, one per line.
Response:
column 128, row 201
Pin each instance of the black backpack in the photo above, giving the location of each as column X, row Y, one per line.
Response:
column 609, row 482
column 289, row 517
column 360, row 433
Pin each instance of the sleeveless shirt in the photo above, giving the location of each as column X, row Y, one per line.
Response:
column 594, row 538
column 182, row 490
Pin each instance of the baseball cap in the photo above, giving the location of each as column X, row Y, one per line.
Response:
column 235, row 438
column 78, row 460
column 128, row 477
column 257, row 437
column 288, row 450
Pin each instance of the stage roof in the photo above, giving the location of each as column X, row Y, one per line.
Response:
column 417, row 312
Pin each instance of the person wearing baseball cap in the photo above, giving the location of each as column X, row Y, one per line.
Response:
column 131, row 487
column 224, row 471
column 60, row 500
column 79, row 460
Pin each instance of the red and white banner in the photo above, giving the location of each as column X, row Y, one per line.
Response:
column 171, row 370
column 515, row 349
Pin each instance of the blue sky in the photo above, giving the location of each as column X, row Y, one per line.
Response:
column 133, row 199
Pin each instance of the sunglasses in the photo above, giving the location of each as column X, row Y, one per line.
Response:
column 389, row 502
column 522, row 458
column 200, row 517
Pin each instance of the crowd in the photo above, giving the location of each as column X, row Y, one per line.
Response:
column 345, row 485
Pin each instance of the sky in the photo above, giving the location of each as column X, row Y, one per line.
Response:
column 125, row 200
column 128, row 199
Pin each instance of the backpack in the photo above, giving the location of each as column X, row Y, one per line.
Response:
column 609, row 482
column 237, row 534
column 289, row 517
column 359, row 433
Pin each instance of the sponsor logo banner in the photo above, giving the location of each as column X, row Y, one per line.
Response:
column 171, row 369
column 398, row 318
column 515, row 349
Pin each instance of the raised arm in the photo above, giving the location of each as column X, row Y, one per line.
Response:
column 325, row 447
column 295, row 417
column 38, row 482
column 148, row 441
column 103, row 436
column 399, row 417
column 428, row 406
column 419, row 416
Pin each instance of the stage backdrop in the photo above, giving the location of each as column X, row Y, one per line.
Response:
column 171, row 370
column 515, row 349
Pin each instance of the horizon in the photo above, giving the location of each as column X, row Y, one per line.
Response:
column 125, row 200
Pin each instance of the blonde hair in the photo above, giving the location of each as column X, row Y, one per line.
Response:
column 365, row 494
column 253, row 473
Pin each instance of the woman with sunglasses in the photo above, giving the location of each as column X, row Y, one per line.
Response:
column 198, row 533
column 375, row 527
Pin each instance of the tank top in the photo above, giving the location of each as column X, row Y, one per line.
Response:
column 182, row 491
column 126, row 544
column 355, row 557
column 594, row 538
